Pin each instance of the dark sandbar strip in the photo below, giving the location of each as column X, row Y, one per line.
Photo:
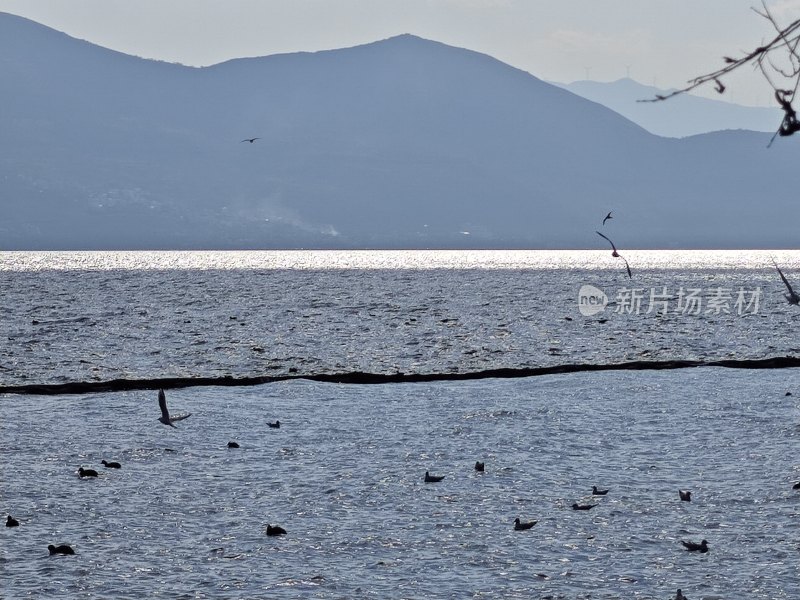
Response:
column 356, row 377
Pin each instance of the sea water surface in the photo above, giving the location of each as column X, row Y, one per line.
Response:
column 95, row 316
column 185, row 517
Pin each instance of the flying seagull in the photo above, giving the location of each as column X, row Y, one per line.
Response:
column 616, row 254
column 165, row 418
column 792, row 296
column 608, row 216
column 251, row 140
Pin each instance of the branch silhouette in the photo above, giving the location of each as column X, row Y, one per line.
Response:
column 783, row 77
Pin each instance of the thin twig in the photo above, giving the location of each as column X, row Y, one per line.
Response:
column 786, row 39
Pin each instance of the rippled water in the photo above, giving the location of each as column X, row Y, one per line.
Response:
column 344, row 475
column 98, row 316
column 185, row 516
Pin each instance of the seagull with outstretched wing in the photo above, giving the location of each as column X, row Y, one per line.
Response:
column 792, row 296
column 251, row 140
column 616, row 254
column 165, row 417
column 607, row 217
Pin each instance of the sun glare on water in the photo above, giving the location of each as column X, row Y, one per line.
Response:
column 394, row 259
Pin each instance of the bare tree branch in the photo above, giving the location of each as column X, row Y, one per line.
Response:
column 779, row 63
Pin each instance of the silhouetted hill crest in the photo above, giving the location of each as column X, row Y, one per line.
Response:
column 403, row 142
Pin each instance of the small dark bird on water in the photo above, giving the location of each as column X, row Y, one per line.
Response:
column 86, row 472
column 275, row 425
column 432, row 478
column 577, row 506
column 792, row 297
column 111, row 465
column 11, row 522
column 520, row 526
column 608, row 216
column 275, row 530
column 479, row 466
column 596, row 492
column 796, row 486
column 616, row 254
column 695, row 547
column 679, row 595
column 685, row 495
column 233, row 445
column 62, row 549
column 251, row 140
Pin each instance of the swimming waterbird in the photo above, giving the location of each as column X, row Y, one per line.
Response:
column 520, row 526
column 275, row 530
column 695, row 547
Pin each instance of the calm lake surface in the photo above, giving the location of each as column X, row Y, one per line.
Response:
column 185, row 517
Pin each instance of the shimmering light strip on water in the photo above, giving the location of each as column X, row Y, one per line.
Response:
column 396, row 259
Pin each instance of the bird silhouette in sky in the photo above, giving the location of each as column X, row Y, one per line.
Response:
column 607, row 217
column 616, row 254
column 251, row 140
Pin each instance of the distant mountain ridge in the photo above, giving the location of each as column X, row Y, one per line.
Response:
column 681, row 115
column 399, row 143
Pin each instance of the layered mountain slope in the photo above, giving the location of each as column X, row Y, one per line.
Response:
column 404, row 142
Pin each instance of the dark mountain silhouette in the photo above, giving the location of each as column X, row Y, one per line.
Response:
column 399, row 143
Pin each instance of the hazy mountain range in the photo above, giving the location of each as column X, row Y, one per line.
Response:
column 404, row 142
column 681, row 116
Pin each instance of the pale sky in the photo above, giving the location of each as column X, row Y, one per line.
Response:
column 661, row 42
